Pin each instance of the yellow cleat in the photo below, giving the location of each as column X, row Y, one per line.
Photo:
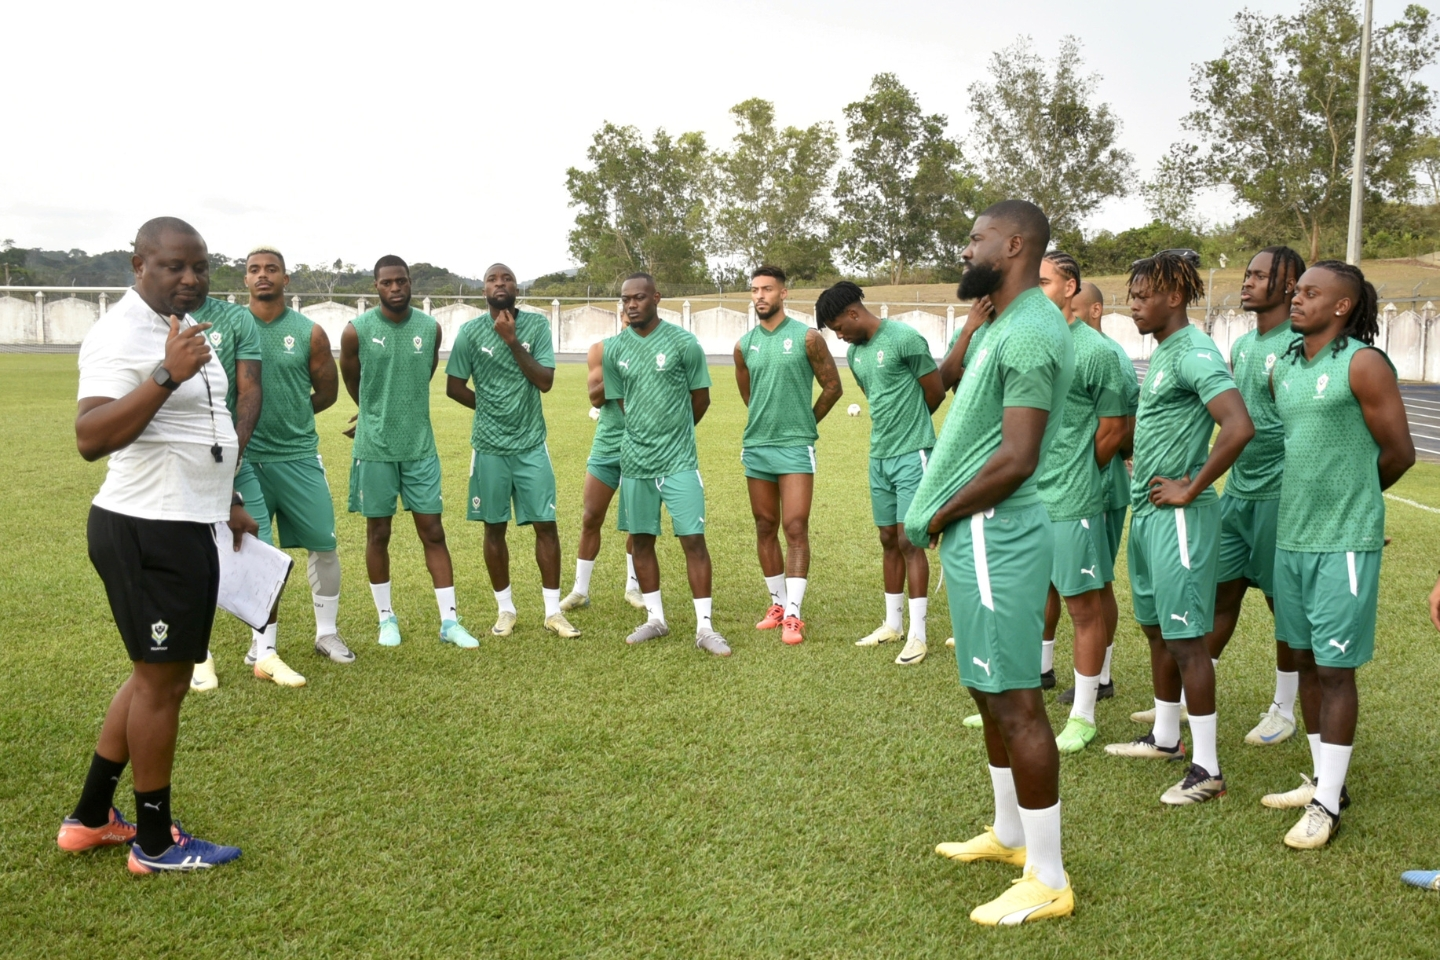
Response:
column 986, row 846
column 1027, row 900
column 635, row 598
column 504, row 623
column 203, row 677
column 950, row 642
column 273, row 668
column 574, row 601
column 561, row 627
column 882, row 634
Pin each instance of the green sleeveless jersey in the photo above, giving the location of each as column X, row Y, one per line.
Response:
column 888, row 368
column 1069, row 477
column 1256, row 474
column 232, row 337
column 610, row 428
column 395, row 373
column 782, row 386
column 1115, row 478
column 508, row 419
column 654, row 376
column 286, row 429
column 1330, row 499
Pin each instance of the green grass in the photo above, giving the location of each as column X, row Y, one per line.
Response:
column 548, row 798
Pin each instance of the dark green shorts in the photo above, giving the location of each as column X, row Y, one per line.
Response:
column 893, row 482
column 526, row 478
column 374, row 485
column 1326, row 603
column 1082, row 556
column 772, row 463
column 1174, row 555
column 297, row 496
column 683, row 495
column 248, row 486
column 1247, row 541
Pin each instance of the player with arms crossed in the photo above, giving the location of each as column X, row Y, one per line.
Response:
column 1175, row 522
column 892, row 364
column 659, row 374
column 508, row 355
column 980, row 500
column 387, row 357
column 1346, row 440
column 776, row 365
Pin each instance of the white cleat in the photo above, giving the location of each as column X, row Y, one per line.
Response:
column 1315, row 829
column 574, row 601
column 950, row 642
column 635, row 598
column 203, row 678
column 882, row 634
column 914, row 651
column 1148, row 716
column 651, row 629
column 1274, row 727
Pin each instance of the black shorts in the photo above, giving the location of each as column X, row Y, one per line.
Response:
column 161, row 577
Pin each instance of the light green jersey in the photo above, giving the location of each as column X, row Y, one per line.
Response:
column 509, row 419
column 1256, row 473
column 395, row 370
column 286, row 428
column 1027, row 360
column 1069, row 477
column 1115, row 478
column 782, row 386
column 1330, row 499
column 232, row 338
column 654, row 375
column 888, row 368
column 610, row 428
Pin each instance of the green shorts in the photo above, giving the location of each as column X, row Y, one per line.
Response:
column 1173, row 558
column 606, row 471
column 297, row 496
column 1082, row 556
column 683, row 495
column 1326, row 602
column 772, row 463
column 997, row 569
column 1114, row 533
column 1247, row 541
column 374, row 485
column 893, row 482
column 249, row 487
column 525, row 478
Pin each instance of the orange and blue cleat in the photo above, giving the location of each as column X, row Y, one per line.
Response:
column 75, row 837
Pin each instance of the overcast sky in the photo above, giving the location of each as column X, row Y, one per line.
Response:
column 442, row 131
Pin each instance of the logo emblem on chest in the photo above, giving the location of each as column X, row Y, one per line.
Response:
column 289, row 343
column 1269, row 363
column 216, row 336
column 788, row 343
column 659, row 361
column 418, row 342
column 1321, row 384
column 879, row 358
column 1159, row 379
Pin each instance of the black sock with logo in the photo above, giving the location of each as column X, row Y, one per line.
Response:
column 152, row 821
column 98, row 794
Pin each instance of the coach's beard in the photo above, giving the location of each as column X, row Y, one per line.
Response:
column 979, row 280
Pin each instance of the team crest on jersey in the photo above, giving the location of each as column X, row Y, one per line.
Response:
column 216, row 336
column 289, row 343
column 475, row 503
column 788, row 344
column 1159, row 378
column 980, row 357
column 417, row 341
column 1269, row 362
column 879, row 358
column 1321, row 384
column 659, row 361
column 526, row 347
column 159, row 633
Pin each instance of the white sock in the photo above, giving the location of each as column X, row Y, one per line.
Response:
column 262, row 642
column 702, row 614
column 1105, row 670
column 381, row 593
column 327, row 611
column 1047, row 656
column 654, row 609
column 919, row 612
column 505, row 600
column 794, row 594
column 1314, row 739
column 1086, row 690
column 1202, row 742
column 445, row 600
column 1167, row 724
column 1287, row 687
column 631, row 583
column 1334, row 765
column 1008, row 829
column 1183, row 704
column 1042, row 845
column 583, row 569
column 895, row 611
column 776, row 586
column 552, row 601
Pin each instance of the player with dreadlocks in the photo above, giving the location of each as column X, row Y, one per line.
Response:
column 1346, row 440
column 1175, row 520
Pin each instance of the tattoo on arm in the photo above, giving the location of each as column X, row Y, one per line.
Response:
column 247, row 399
column 825, row 373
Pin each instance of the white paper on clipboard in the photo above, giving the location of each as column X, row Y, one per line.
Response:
column 251, row 578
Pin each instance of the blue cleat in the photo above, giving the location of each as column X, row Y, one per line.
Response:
column 187, row 853
column 390, row 632
column 452, row 632
column 1424, row 879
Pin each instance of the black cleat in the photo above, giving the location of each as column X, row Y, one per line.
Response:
column 1047, row 680
column 1106, row 692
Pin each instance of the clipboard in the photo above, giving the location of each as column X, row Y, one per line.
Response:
column 251, row 579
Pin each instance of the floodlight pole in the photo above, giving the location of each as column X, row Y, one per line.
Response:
column 1357, row 174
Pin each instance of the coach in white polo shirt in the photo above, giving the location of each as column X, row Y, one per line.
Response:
column 152, row 397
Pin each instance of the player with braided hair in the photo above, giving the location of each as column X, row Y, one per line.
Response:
column 1175, row 522
column 1346, row 440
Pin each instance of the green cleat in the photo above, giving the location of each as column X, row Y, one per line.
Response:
column 452, row 632
column 973, row 722
column 390, row 632
column 1076, row 736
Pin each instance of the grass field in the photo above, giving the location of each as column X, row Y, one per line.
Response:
column 549, row 798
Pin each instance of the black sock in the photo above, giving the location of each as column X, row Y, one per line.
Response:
column 152, row 821
column 98, row 794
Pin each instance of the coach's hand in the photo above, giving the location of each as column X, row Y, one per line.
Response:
column 505, row 326
column 186, row 351
column 1165, row 492
column 351, row 432
column 241, row 523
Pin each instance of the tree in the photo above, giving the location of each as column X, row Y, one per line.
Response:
column 323, row 278
column 1043, row 137
column 896, row 182
column 642, row 206
column 772, row 189
column 1276, row 112
column 1170, row 195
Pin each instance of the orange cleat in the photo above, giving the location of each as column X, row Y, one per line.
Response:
column 75, row 837
column 790, row 631
column 773, row 618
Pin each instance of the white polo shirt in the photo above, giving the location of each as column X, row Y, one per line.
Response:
column 168, row 473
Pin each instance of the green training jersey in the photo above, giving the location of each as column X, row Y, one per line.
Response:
column 1115, row 478
column 286, row 429
column 395, row 372
column 232, row 338
column 1172, row 424
column 1027, row 360
column 888, row 368
column 654, row 375
column 1256, row 473
column 1330, row 499
column 508, row 415
column 610, row 428
column 782, row 386
column 1069, row 478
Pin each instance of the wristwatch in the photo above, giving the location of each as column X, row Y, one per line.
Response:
column 236, row 499
column 162, row 377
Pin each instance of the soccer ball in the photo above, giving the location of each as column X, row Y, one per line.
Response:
column 594, row 413
column 853, row 410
